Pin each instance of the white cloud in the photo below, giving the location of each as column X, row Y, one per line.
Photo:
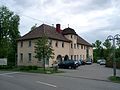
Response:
column 92, row 19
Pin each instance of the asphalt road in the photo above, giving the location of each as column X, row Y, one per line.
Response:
column 29, row 81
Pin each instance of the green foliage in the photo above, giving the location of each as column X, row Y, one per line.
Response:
column 43, row 50
column 98, row 51
column 9, row 33
column 33, row 27
column 115, row 79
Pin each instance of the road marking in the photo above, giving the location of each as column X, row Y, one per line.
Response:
column 47, row 84
column 8, row 74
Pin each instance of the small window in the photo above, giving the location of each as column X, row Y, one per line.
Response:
column 50, row 42
column 30, row 56
column 74, row 57
column 71, row 57
column 75, row 46
column 62, row 44
column 71, row 45
column 77, row 57
column 74, row 37
column 71, row 36
column 21, row 44
column 56, row 44
column 78, row 46
column 21, row 57
column 84, row 47
column 81, row 46
column 29, row 43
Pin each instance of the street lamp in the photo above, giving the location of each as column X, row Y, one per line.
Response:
column 113, row 38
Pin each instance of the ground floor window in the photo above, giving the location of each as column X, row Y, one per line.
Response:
column 21, row 57
column 30, row 56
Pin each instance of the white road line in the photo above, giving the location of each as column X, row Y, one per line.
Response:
column 8, row 74
column 46, row 84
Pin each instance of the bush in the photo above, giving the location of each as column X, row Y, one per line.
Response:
column 27, row 68
column 6, row 67
column 34, row 67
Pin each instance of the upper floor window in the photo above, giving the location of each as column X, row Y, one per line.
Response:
column 78, row 46
column 50, row 42
column 81, row 46
column 62, row 44
column 29, row 43
column 75, row 46
column 71, row 36
column 75, row 36
column 56, row 44
column 30, row 56
column 21, row 43
column 84, row 47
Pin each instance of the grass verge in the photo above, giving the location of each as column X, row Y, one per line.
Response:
column 31, row 69
column 114, row 79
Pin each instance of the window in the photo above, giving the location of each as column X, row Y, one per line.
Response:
column 84, row 47
column 71, row 45
column 21, row 44
column 71, row 36
column 75, row 46
column 21, row 57
column 80, row 57
column 56, row 44
column 74, row 57
column 77, row 57
column 62, row 44
column 81, row 46
column 75, row 37
column 29, row 56
column 29, row 43
column 50, row 42
column 71, row 57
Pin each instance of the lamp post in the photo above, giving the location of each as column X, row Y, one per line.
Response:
column 113, row 38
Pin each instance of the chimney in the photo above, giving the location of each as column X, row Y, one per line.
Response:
column 58, row 28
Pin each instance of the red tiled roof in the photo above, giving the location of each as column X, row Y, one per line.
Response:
column 51, row 33
column 42, row 30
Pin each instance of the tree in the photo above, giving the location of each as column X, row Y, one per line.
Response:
column 33, row 27
column 108, row 48
column 43, row 50
column 97, row 52
column 9, row 33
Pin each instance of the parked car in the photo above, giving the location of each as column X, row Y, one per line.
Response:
column 103, row 62
column 98, row 61
column 82, row 62
column 89, row 62
column 77, row 62
column 67, row 64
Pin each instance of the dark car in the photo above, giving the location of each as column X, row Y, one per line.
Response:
column 67, row 64
column 82, row 62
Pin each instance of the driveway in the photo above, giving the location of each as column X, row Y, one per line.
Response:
column 94, row 71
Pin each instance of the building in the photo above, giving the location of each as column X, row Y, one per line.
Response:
column 66, row 44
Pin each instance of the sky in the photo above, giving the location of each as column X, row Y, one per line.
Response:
column 91, row 19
